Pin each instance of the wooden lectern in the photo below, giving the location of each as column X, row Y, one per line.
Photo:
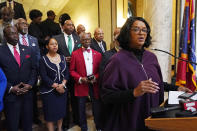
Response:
column 172, row 124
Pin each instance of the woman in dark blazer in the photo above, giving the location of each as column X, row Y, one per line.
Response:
column 54, row 74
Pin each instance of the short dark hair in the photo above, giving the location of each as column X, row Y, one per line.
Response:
column 50, row 13
column 34, row 14
column 6, row 28
column 124, row 37
column 63, row 18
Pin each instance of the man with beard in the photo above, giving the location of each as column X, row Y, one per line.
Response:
column 26, row 39
column 30, row 41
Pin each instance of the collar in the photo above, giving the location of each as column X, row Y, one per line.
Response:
column 66, row 35
column 98, row 41
column 137, row 51
column 11, row 46
column 117, row 49
column 84, row 49
column 20, row 35
column 7, row 2
column 12, row 4
column 7, row 23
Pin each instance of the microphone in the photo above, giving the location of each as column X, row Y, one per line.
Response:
column 191, row 106
column 188, row 61
column 158, row 110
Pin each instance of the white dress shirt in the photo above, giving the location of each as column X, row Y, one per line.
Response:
column 101, row 46
column 21, row 39
column 66, row 39
column 88, row 62
column 11, row 47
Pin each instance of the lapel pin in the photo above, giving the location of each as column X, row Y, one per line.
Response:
column 33, row 44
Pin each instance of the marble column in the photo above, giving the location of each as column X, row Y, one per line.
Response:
column 158, row 14
column 105, row 21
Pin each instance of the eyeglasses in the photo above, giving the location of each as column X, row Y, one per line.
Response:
column 138, row 30
column 100, row 34
column 23, row 23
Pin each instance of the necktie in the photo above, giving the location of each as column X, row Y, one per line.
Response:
column 69, row 44
column 102, row 48
column 24, row 41
column 84, row 49
column 17, row 56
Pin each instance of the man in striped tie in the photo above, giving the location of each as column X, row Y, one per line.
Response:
column 32, row 42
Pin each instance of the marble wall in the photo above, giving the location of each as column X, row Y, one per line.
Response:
column 158, row 13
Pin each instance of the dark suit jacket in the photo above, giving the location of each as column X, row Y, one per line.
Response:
column 35, row 30
column 50, row 28
column 49, row 73
column 26, row 73
column 94, row 45
column 105, row 59
column 33, row 43
column 62, row 47
column 18, row 10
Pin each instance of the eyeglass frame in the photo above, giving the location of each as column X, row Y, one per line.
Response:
column 138, row 30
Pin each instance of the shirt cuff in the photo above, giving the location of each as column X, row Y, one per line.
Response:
column 65, row 86
column 80, row 80
column 10, row 89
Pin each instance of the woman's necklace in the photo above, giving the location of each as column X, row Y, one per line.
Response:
column 54, row 59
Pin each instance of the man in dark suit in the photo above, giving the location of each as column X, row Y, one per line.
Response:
column 17, row 7
column 26, row 39
column 49, row 27
column 18, row 65
column 67, row 43
column 62, row 19
column 108, row 54
column 32, row 42
column 97, row 42
column 105, row 59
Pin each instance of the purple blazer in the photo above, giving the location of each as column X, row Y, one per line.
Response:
column 123, row 73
